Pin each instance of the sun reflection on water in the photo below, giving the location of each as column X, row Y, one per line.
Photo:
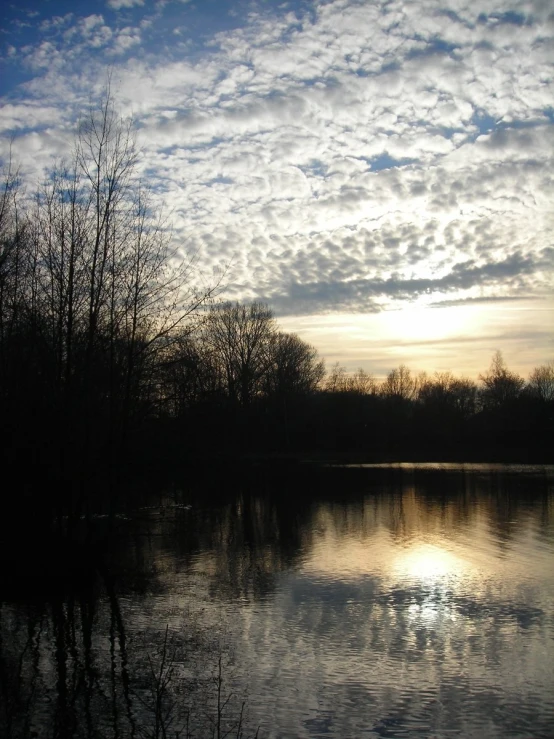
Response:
column 427, row 563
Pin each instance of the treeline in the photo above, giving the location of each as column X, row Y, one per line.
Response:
column 112, row 349
column 240, row 387
column 500, row 417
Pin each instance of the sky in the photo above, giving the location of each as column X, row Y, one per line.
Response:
column 380, row 172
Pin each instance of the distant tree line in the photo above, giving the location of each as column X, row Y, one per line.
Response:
column 223, row 393
column 500, row 417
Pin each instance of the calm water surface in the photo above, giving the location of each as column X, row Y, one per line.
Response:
column 412, row 601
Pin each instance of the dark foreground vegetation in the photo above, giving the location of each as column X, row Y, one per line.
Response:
column 114, row 356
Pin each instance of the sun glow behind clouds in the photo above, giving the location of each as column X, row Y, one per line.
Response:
column 458, row 338
column 424, row 323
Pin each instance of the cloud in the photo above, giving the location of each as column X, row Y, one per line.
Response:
column 369, row 294
column 120, row 4
column 342, row 157
column 27, row 116
column 125, row 39
column 44, row 56
column 56, row 22
column 478, row 301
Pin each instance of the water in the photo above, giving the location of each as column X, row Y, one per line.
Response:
column 405, row 601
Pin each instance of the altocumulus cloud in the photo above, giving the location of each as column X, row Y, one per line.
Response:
column 336, row 156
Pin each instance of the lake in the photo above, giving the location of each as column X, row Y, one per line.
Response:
column 319, row 601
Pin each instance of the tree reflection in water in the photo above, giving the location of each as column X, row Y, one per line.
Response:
column 69, row 669
column 436, row 578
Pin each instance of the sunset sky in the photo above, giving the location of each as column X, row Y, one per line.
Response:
column 381, row 173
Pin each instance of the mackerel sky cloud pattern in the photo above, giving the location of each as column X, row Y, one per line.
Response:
column 338, row 158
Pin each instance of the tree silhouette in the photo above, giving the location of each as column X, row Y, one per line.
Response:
column 358, row 383
column 400, row 384
column 294, row 368
column 240, row 337
column 446, row 394
column 499, row 385
column 541, row 383
column 92, row 294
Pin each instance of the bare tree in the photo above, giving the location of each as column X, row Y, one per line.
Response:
column 361, row 383
column 336, row 379
column 541, row 382
column 12, row 261
column 101, row 284
column 240, row 338
column 294, row 368
column 358, row 383
column 444, row 392
column 400, row 384
column 499, row 385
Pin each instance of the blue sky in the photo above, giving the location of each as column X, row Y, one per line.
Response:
column 380, row 172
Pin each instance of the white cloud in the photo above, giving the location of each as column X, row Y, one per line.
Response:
column 88, row 24
column 56, row 22
column 120, row 4
column 45, row 56
column 90, row 31
column 125, row 39
column 337, row 161
column 28, row 116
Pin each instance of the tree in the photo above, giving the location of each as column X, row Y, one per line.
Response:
column 499, row 385
column 541, row 382
column 294, row 368
column 102, row 293
column 189, row 374
column 240, row 339
column 13, row 270
column 359, row 383
column 446, row 394
column 336, row 379
column 400, row 384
